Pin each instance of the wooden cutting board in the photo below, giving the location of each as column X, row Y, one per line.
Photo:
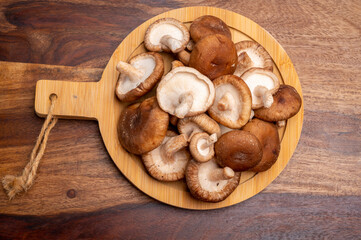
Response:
column 97, row 101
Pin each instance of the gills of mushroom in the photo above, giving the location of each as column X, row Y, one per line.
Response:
column 196, row 124
column 202, row 146
column 262, row 84
column 251, row 55
column 169, row 160
column 166, row 34
column 138, row 76
column 185, row 92
column 209, row 182
column 232, row 104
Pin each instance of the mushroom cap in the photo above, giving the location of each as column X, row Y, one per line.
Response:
column 286, row 103
column 181, row 81
column 142, row 126
column 208, row 25
column 239, row 101
column 203, row 187
column 198, row 123
column 165, row 169
column 260, row 77
column 239, row 150
column 151, row 63
column 251, row 54
column 267, row 134
column 214, row 55
column 201, row 147
column 163, row 27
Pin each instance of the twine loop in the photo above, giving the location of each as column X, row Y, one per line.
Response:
column 14, row 185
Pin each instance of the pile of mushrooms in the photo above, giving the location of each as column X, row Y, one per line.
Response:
column 215, row 114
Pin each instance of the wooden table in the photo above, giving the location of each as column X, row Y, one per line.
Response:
column 79, row 192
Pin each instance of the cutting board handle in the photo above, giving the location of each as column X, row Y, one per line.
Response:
column 76, row 100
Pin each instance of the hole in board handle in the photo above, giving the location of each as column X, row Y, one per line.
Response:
column 53, row 95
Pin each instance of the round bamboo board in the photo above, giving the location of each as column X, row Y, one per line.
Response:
column 97, row 101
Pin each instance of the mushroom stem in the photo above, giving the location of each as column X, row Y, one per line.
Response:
column 226, row 102
column 127, row 69
column 173, row 145
column 211, row 140
column 190, row 45
column 173, row 44
column 251, row 116
column 267, row 98
column 176, row 64
column 281, row 123
column 185, row 104
column 218, row 174
column 184, row 57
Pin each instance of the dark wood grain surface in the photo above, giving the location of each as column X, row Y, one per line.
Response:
column 79, row 192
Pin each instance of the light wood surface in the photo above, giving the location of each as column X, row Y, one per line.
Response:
column 98, row 101
column 80, row 193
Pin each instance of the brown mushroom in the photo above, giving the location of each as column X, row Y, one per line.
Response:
column 142, row 126
column 208, row 25
column 198, row 123
column 185, row 92
column 208, row 182
column 166, row 34
column 233, row 102
column 202, row 146
column 168, row 161
column 214, row 55
column 252, row 55
column 173, row 120
column 286, row 103
column 262, row 84
column 239, row 150
column 267, row 134
column 138, row 76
